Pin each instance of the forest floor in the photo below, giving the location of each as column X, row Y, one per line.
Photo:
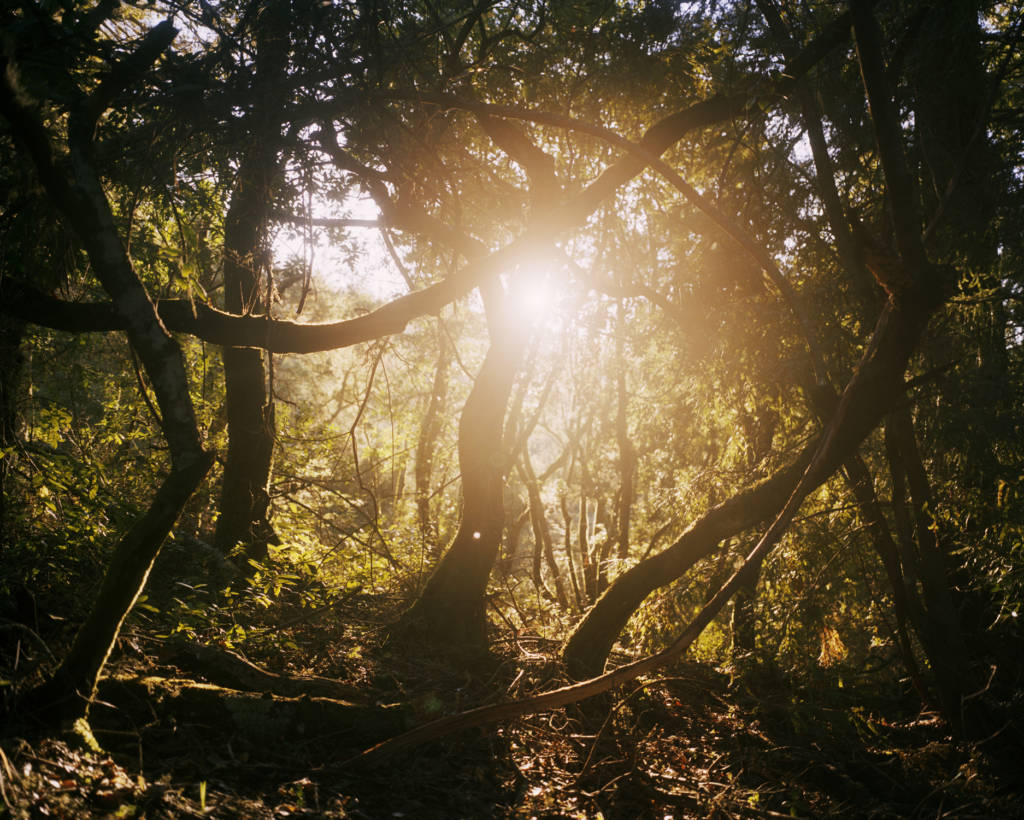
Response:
column 689, row 743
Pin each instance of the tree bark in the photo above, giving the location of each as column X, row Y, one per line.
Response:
column 226, row 668
column 541, row 530
column 743, row 624
column 245, row 495
column 84, row 205
column 11, row 364
column 449, row 616
column 873, row 389
column 587, row 565
column 938, row 624
column 591, row 641
column 69, row 690
column 291, row 337
column 949, row 112
column 259, row 718
column 577, row 591
column 915, row 294
column 627, row 452
column 905, row 601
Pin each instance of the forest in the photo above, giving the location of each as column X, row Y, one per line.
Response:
column 510, row 408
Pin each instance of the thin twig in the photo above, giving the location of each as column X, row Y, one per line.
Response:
column 7, row 622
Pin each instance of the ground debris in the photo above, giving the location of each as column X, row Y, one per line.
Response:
column 686, row 744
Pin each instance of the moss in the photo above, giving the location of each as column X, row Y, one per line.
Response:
column 83, row 731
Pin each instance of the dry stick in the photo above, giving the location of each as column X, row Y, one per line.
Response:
column 142, row 388
column 385, row 235
column 657, row 536
column 608, row 719
column 7, row 772
column 7, row 623
column 375, row 519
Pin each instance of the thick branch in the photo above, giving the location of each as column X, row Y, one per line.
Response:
column 327, row 221
column 539, row 166
column 396, row 215
column 393, row 317
column 253, row 330
column 640, row 152
column 126, row 575
column 125, row 74
column 900, row 187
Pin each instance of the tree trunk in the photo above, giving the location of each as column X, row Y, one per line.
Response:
column 939, row 624
column 71, row 687
column 905, row 601
column 587, row 563
column 449, row 616
column 592, row 639
column 627, row 452
column 743, row 624
column 259, row 718
column 245, row 495
column 250, row 406
column 541, row 530
column 84, row 206
column 602, row 518
column 951, row 94
column 949, row 111
column 11, row 364
column 577, row 593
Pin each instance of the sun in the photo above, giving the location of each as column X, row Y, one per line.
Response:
column 530, row 293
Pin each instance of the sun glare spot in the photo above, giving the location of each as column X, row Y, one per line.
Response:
column 530, row 294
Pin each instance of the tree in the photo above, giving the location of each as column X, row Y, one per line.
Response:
column 84, row 205
column 249, row 403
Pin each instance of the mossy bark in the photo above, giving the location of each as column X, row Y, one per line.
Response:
column 256, row 717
